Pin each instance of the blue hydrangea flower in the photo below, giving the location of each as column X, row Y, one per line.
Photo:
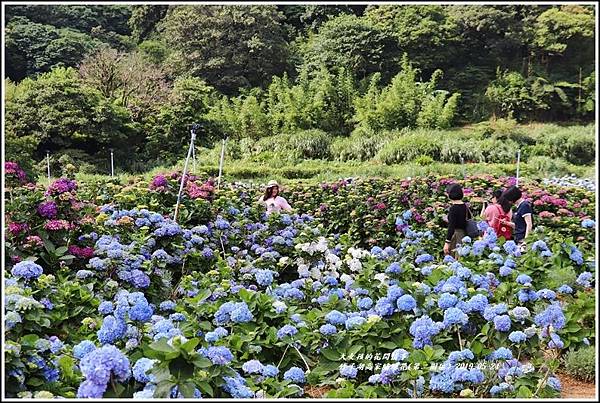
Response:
column 422, row 329
column 241, row 313
column 354, row 322
column 98, row 365
column 264, row 277
column 384, row 307
column 552, row 315
column 547, row 294
column 335, row 318
column 141, row 368
column 454, row 316
column 584, row 279
column 83, row 348
column 406, row 303
column 27, row 269
column 327, row 329
column 167, row 306
column 502, row 323
column 588, row 223
column 348, row 371
column 287, row 330
column 424, row 258
column 554, row 383
column 253, row 367
column 270, row 371
column 112, row 329
column 295, row 375
column 105, row 307
column 219, row 355
column 477, row 303
column 365, row 303
column 399, row 354
column 501, row 353
column 576, row 255
column 565, row 289
column 517, row 337
column 447, row 300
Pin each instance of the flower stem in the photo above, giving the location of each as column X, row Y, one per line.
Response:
column 286, row 349
column 459, row 338
column 301, row 356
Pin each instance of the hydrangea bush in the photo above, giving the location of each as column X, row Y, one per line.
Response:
column 350, row 294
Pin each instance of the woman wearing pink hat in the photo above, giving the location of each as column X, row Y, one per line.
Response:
column 272, row 200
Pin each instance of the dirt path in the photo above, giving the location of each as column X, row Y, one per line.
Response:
column 575, row 389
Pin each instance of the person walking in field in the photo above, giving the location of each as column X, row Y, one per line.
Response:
column 272, row 201
column 522, row 219
column 458, row 214
column 496, row 213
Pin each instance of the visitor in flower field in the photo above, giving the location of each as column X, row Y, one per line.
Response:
column 496, row 213
column 458, row 214
column 272, row 200
column 522, row 219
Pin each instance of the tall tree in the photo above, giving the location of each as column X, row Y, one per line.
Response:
column 144, row 18
column 33, row 48
column 231, row 47
column 354, row 43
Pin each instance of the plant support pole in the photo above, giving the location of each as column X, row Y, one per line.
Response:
column 221, row 163
column 187, row 160
column 518, row 163
column 112, row 164
column 48, row 164
column 194, row 160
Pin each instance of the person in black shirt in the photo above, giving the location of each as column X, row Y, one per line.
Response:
column 458, row 213
column 522, row 221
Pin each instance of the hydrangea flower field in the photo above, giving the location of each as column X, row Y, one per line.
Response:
column 350, row 296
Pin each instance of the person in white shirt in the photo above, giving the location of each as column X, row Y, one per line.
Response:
column 272, row 200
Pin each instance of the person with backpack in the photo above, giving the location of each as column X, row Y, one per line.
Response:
column 499, row 212
column 458, row 214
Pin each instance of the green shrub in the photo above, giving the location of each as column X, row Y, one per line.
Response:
column 408, row 147
column 581, row 363
column 453, row 149
column 559, row 276
column 423, row 160
column 575, row 144
column 498, row 151
column 362, row 145
column 546, row 166
column 313, row 144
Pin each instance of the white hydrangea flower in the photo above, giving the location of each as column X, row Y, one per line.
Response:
column 354, row 265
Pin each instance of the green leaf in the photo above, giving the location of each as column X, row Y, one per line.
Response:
column 476, row 347
column 162, row 346
column 201, row 362
column 66, row 365
column 163, row 389
column 35, row 382
column 331, row 354
column 189, row 345
column 389, row 345
column 524, row 391
column 485, row 328
column 205, row 388
column 354, row 349
column 60, row 251
column 187, row 389
column 29, row 340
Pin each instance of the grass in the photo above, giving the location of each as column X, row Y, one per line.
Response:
column 315, row 171
column 245, row 162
